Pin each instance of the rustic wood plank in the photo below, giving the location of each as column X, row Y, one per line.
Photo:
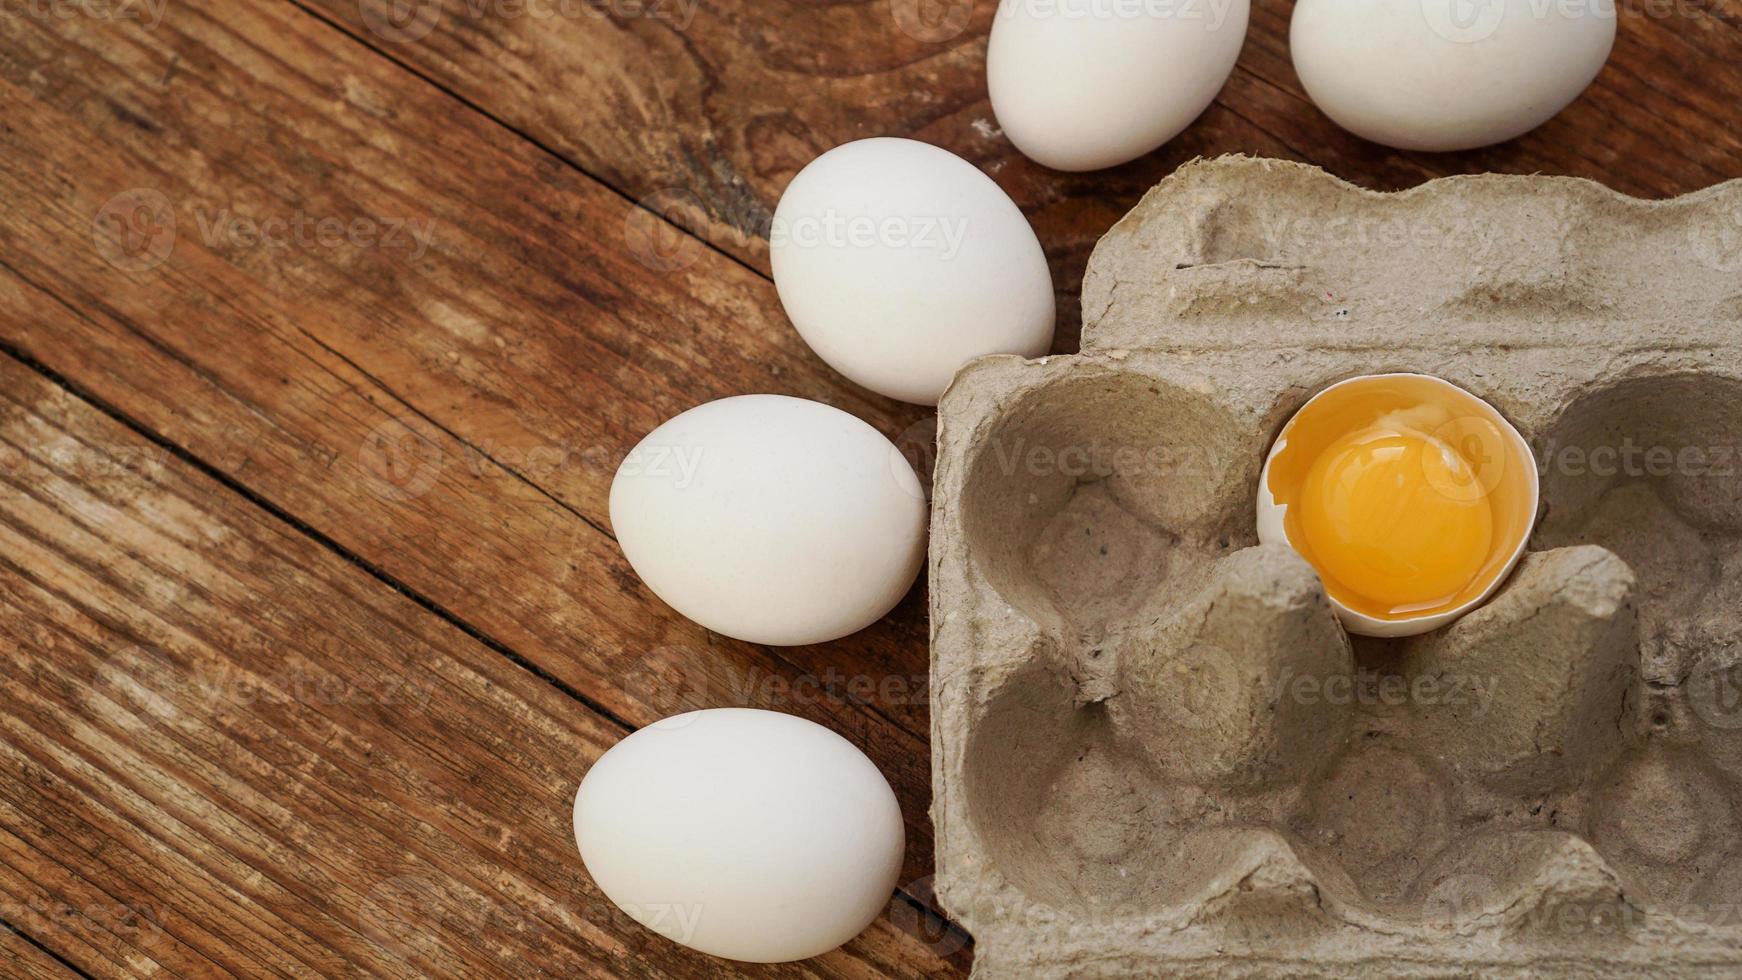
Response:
column 513, row 360
column 226, row 749
column 22, row 958
column 705, row 111
column 572, row 352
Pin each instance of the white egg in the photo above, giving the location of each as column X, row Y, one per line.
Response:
column 771, row 519
column 899, row 262
column 1448, row 74
column 750, row 835
column 1086, row 84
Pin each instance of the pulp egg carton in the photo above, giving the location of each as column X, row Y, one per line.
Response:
column 1157, row 751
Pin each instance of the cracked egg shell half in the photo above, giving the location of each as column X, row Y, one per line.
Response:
column 1411, row 497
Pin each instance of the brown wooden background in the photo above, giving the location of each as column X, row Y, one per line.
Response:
column 310, row 614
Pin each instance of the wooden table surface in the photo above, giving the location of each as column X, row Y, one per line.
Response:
column 323, row 325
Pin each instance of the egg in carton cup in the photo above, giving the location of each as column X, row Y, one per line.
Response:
column 1165, row 745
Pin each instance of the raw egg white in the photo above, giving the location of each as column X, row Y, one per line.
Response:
column 899, row 262
column 1411, row 497
column 1086, row 84
column 746, row 834
column 1448, row 74
column 771, row 519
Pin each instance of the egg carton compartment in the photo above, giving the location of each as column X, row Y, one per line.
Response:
column 1156, row 749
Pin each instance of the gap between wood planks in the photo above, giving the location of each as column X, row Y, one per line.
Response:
column 97, row 402
column 326, row 541
column 351, row 556
column 523, row 135
column 494, row 65
column 1255, row 77
column 215, row 776
column 192, row 453
column 430, row 606
column 8, row 927
column 627, row 195
column 930, row 916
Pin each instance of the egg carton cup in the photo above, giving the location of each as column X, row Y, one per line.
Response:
column 1157, row 751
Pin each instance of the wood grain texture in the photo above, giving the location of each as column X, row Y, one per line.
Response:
column 514, row 361
column 389, row 340
column 704, row 111
column 227, row 750
column 23, row 959
column 450, row 417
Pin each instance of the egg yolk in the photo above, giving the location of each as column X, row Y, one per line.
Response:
column 1387, row 514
